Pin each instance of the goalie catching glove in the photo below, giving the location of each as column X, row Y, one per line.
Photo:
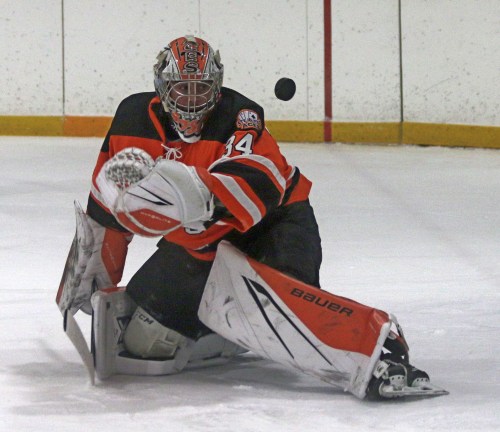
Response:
column 153, row 199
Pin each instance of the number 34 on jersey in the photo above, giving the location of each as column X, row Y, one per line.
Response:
column 242, row 144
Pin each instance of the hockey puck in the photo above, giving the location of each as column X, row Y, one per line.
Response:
column 285, row 89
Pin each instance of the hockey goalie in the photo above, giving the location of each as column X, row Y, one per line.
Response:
column 237, row 264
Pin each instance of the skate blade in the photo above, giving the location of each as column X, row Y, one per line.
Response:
column 425, row 390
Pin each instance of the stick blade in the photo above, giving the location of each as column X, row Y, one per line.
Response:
column 75, row 335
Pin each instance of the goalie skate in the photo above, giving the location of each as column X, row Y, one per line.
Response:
column 398, row 380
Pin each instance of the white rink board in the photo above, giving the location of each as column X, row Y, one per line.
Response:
column 111, row 48
column 365, row 61
column 256, row 51
column 451, row 58
column 264, row 42
column 31, row 57
column 450, row 55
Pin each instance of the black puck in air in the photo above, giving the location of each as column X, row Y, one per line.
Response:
column 285, row 89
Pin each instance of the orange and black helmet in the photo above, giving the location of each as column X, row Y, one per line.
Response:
column 188, row 79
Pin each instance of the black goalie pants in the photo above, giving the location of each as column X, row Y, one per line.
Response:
column 170, row 284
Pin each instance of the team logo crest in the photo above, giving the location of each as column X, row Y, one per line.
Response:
column 248, row 119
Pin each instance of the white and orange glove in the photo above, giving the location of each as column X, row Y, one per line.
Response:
column 153, row 199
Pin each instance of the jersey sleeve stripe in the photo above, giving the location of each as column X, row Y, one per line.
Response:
column 97, row 211
column 290, row 176
column 96, row 195
column 259, row 162
column 237, row 201
column 255, row 183
column 265, row 164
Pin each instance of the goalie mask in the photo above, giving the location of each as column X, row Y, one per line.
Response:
column 188, row 80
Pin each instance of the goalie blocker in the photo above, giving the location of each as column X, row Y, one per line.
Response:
column 252, row 307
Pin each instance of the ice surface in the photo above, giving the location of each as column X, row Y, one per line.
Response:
column 411, row 230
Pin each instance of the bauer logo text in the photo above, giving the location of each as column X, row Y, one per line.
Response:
column 321, row 302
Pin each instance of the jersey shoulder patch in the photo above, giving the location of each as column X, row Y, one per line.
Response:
column 248, row 119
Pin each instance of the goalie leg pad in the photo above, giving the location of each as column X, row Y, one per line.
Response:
column 112, row 312
column 146, row 337
column 74, row 291
column 95, row 261
column 280, row 318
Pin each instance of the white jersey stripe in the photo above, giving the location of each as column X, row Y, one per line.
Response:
column 234, row 188
column 261, row 160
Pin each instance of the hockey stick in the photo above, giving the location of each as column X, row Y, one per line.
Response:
column 75, row 335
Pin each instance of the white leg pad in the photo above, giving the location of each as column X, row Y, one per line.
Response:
column 112, row 313
column 282, row 319
column 145, row 337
